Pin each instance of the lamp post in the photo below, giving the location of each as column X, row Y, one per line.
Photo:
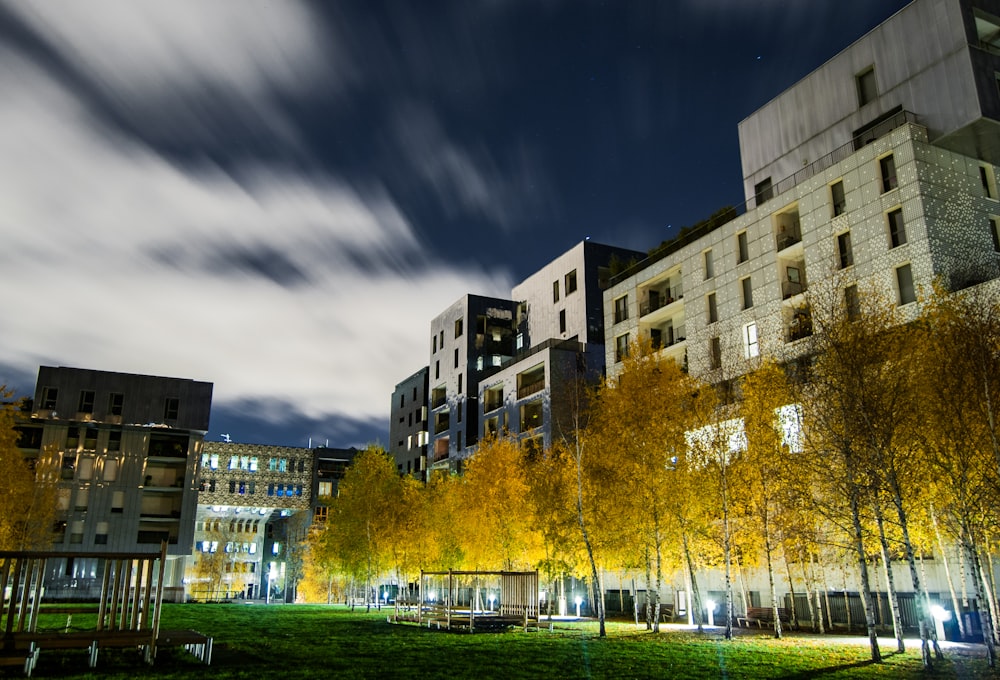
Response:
column 492, row 598
column 710, row 605
column 940, row 615
column 579, row 601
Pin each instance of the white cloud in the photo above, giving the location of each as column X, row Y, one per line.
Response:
column 116, row 258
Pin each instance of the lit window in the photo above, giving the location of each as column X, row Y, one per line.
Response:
column 276, row 548
column 253, row 463
column 751, row 348
column 234, row 462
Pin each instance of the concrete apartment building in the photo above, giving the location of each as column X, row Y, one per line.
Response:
column 497, row 365
column 123, row 450
column 863, row 173
column 253, row 500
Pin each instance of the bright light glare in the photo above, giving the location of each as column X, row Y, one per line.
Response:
column 710, row 604
column 579, row 601
column 940, row 613
column 431, row 595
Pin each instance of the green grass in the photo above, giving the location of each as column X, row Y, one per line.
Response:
column 254, row 641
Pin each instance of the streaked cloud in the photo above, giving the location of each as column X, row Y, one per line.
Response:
column 280, row 283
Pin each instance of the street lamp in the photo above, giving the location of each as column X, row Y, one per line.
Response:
column 492, row 598
column 710, row 605
column 579, row 601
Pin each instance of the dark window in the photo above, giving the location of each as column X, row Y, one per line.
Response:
column 571, row 282
column 995, row 233
column 715, row 353
column 763, row 191
column 887, row 168
column 709, row 265
column 115, row 440
column 562, row 320
column 867, row 90
column 456, row 357
column 49, row 397
column 897, row 230
column 232, row 486
column 73, row 438
column 458, row 328
column 86, row 401
column 713, row 309
column 844, row 252
column 742, row 251
column 116, row 400
column 747, row 293
column 621, row 347
column 852, row 303
column 904, row 278
column 988, row 188
column 555, row 291
column 838, row 198
column 621, row 309
column 459, row 382
column 170, row 408
column 29, row 437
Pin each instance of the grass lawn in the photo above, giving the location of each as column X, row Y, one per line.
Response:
column 255, row 641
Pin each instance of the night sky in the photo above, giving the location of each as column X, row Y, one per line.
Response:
column 277, row 197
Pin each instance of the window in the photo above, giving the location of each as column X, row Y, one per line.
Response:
column 845, row 255
column 232, row 486
column 904, row 280
column 555, row 291
column 713, row 309
column 837, row 198
column 742, row 251
column 456, row 357
column 49, row 397
column 434, row 344
column 988, row 31
column 571, row 282
column 459, row 388
column 621, row 347
column 989, row 182
column 115, row 440
column 747, row 293
column 867, row 90
column 234, row 462
column 86, row 401
column 211, row 486
column 76, row 534
column 325, row 489
column 763, row 191
column 118, row 501
column 995, row 233
column 562, row 320
column 110, row 469
column 751, row 348
column 170, row 408
column 715, row 353
column 458, row 328
column 709, row 265
column 621, row 309
column 437, row 369
column 897, row 231
column 82, row 499
column 887, row 169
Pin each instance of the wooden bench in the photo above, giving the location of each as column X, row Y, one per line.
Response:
column 127, row 613
column 761, row 616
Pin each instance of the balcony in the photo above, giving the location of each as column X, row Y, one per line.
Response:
column 787, row 230
column 658, row 298
column 530, row 388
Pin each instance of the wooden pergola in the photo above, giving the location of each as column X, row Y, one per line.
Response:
column 471, row 599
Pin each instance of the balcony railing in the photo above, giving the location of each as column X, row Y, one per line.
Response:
column 525, row 390
column 790, row 289
column 655, row 302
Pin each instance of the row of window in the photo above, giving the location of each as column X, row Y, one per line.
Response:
column 249, row 488
column 250, row 463
column 437, row 342
column 116, row 402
